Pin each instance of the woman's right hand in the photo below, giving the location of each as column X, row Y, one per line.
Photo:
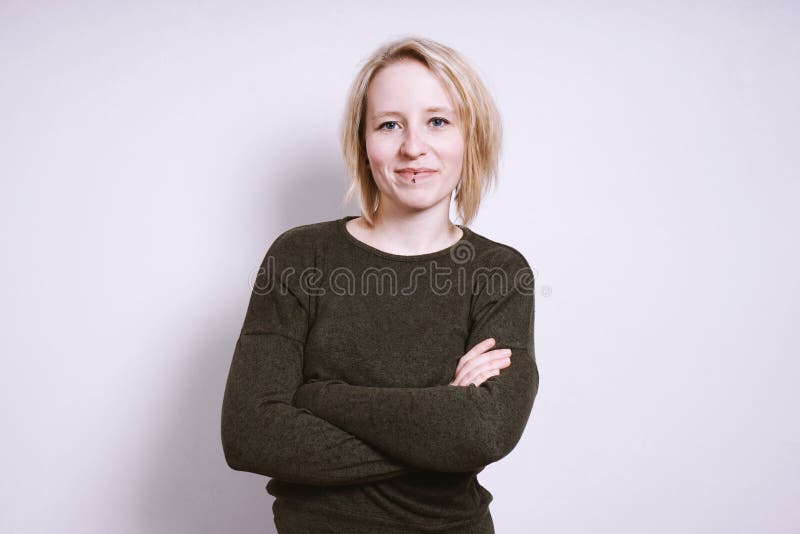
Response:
column 480, row 363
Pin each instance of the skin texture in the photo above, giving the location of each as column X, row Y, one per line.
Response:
column 480, row 363
column 400, row 132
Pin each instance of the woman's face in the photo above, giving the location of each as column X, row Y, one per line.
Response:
column 411, row 125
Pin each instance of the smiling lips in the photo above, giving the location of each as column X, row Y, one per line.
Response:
column 413, row 174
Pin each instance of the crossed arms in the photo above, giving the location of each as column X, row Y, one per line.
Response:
column 333, row 433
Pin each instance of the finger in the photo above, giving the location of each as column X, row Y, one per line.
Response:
column 478, row 378
column 483, row 377
column 476, row 350
column 488, row 367
column 472, row 376
column 471, row 364
column 481, row 360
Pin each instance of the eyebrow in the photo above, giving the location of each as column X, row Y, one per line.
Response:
column 432, row 109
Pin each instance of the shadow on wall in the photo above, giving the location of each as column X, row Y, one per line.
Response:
column 190, row 487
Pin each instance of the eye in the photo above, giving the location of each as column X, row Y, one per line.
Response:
column 443, row 120
column 381, row 127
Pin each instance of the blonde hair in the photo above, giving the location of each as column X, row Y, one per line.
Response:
column 476, row 110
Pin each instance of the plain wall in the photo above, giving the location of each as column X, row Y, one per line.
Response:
column 151, row 151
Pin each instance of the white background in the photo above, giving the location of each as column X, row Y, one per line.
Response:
column 151, row 151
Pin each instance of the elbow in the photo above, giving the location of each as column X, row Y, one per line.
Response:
column 232, row 448
column 250, row 444
column 477, row 447
column 496, row 441
column 239, row 434
column 235, row 447
column 502, row 432
column 500, row 446
column 233, row 456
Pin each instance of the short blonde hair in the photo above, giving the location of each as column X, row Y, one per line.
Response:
column 476, row 110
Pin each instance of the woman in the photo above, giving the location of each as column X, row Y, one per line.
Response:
column 367, row 381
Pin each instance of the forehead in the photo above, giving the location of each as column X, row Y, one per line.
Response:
column 408, row 84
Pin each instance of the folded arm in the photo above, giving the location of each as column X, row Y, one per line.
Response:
column 449, row 428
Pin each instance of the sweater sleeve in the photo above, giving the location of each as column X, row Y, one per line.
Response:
column 262, row 432
column 450, row 428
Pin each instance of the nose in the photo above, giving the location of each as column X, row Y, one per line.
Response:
column 414, row 144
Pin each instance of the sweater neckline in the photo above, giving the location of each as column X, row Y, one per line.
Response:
column 342, row 224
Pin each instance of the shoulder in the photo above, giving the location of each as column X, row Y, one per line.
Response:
column 500, row 266
column 303, row 238
column 489, row 252
column 299, row 246
column 293, row 254
column 304, row 234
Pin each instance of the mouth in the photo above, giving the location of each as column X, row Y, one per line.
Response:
column 411, row 175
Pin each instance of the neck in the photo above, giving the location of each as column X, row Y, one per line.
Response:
column 415, row 232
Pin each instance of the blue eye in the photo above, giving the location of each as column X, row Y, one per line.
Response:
column 440, row 119
column 381, row 127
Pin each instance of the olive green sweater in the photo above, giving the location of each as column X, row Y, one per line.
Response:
column 339, row 385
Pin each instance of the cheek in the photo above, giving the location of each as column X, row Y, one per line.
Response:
column 453, row 150
column 379, row 149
